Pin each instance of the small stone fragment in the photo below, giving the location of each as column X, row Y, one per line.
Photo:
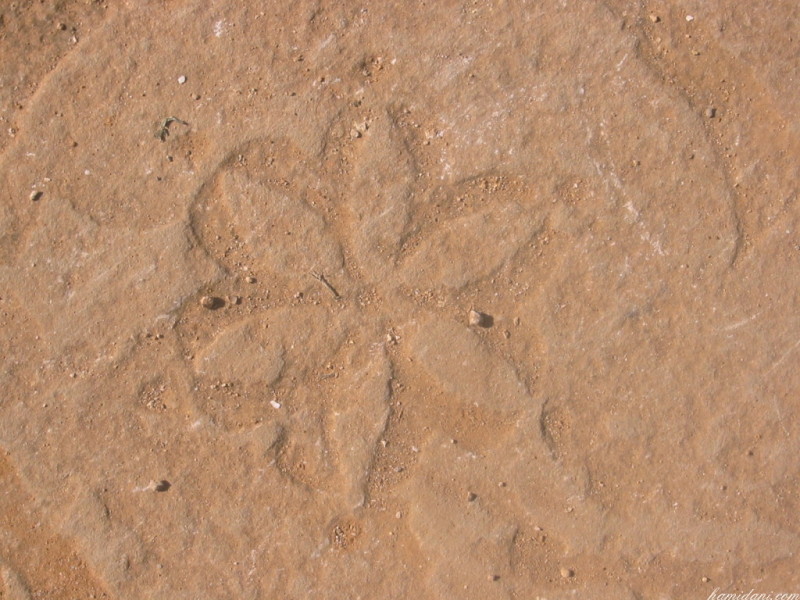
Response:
column 234, row 300
column 493, row 577
column 182, row 79
column 567, row 573
column 689, row 18
column 275, row 404
column 62, row 26
column 209, row 302
column 655, row 18
column 711, row 112
column 706, row 580
column 157, row 486
column 358, row 129
column 475, row 318
column 472, row 496
column 250, row 279
column 36, row 195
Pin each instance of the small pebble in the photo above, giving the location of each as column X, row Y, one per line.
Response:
column 158, row 486
column 62, row 26
column 35, row 195
column 250, row 279
column 706, row 580
column 182, row 79
column 275, row 404
column 475, row 318
column 493, row 577
column 234, row 299
column 711, row 112
column 655, row 18
column 567, row 573
column 472, row 496
column 355, row 133
column 689, row 18
column 208, row 302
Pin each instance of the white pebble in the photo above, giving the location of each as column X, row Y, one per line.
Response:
column 275, row 404
column 182, row 79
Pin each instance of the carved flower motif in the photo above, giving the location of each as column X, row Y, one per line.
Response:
column 377, row 272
